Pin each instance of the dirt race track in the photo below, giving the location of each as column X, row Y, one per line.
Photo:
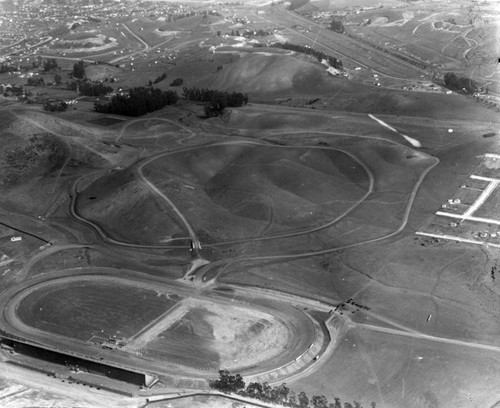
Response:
column 219, row 331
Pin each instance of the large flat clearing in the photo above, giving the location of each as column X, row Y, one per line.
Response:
column 86, row 309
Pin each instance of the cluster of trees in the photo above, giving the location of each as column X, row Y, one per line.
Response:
column 211, row 12
column 79, row 70
column 280, row 394
column 137, row 102
column 7, row 90
column 460, row 83
column 260, row 32
column 59, row 106
column 50, row 64
column 89, row 88
column 177, row 82
column 36, row 82
column 180, row 16
column 334, row 62
column 217, row 100
column 337, row 26
column 160, row 78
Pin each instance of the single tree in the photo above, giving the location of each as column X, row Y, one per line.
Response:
column 303, row 400
column 254, row 390
column 292, row 400
column 319, row 401
column 281, row 392
column 79, row 70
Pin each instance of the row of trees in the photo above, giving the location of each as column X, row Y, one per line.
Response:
column 280, row 394
column 36, row 81
column 334, row 62
column 59, row 106
column 160, row 78
column 217, row 100
column 137, row 102
column 47, row 65
column 89, row 88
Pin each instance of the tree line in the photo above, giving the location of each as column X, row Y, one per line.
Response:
column 137, row 102
column 160, row 78
column 280, row 394
column 334, row 62
column 89, row 88
column 55, row 106
column 217, row 100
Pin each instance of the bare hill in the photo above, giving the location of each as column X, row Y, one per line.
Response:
column 227, row 192
column 260, row 73
column 40, row 153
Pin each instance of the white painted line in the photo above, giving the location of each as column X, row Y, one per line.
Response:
column 482, row 198
column 483, row 178
column 452, row 238
column 463, row 217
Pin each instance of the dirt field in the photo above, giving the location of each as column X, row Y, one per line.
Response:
column 209, row 336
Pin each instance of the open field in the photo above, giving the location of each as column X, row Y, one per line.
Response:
column 400, row 371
